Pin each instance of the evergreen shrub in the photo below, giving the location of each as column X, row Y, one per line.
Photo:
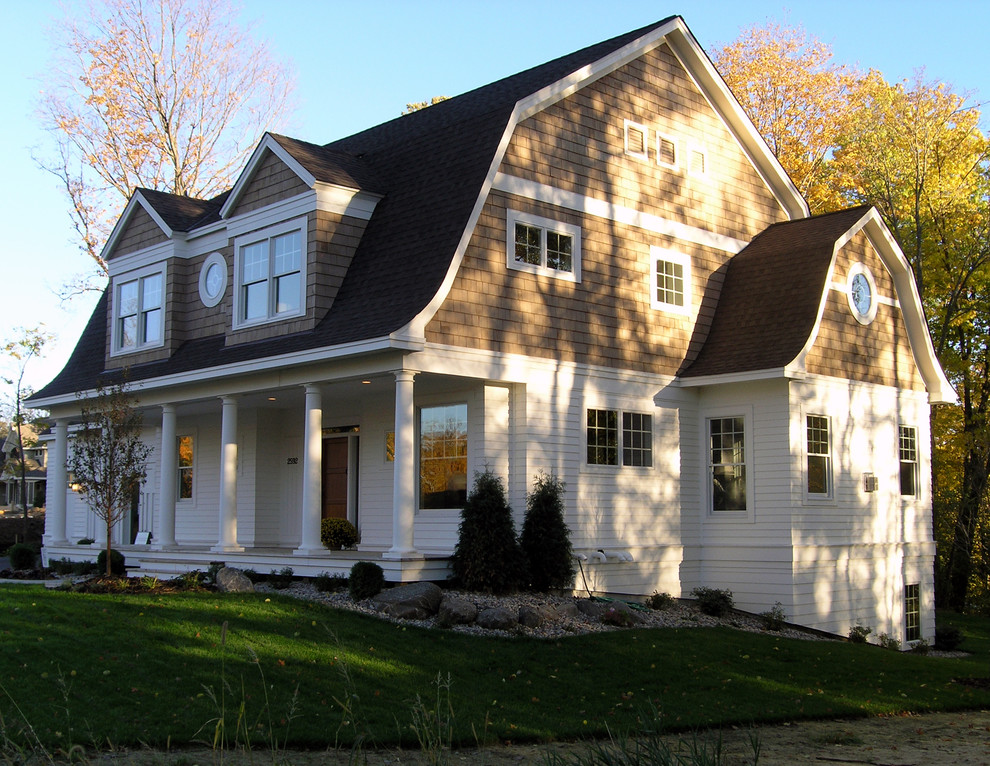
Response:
column 714, row 602
column 367, row 579
column 487, row 557
column 545, row 538
column 116, row 562
column 22, row 556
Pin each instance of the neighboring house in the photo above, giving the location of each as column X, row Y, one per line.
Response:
column 34, row 468
column 594, row 268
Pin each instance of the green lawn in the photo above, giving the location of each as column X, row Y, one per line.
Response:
column 124, row 670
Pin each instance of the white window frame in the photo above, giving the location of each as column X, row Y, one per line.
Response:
column 658, row 254
column 268, row 235
column 179, row 468
column 829, row 486
column 914, row 463
column 642, row 152
column 710, row 514
column 621, row 436
column 912, row 608
column 661, row 137
column 546, row 225
column 138, row 275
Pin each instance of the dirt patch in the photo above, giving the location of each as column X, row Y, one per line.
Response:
column 959, row 739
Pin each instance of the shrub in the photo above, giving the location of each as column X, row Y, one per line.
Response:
column 920, row 646
column 252, row 575
column 22, row 556
column 715, row 602
column 367, row 579
column 85, row 541
column 327, row 583
column 281, row 579
column 337, row 534
column 545, row 538
column 858, row 633
column 774, row 618
column 116, row 562
column 487, row 556
column 948, row 639
column 888, row 642
column 660, row 601
column 618, row 617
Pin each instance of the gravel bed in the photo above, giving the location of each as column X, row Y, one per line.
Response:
column 680, row 615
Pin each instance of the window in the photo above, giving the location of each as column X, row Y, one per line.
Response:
column 908, row 448
column 185, row 467
column 138, row 312
column 670, row 280
column 271, row 274
column 543, row 246
column 912, row 612
column 727, row 463
column 443, row 456
column 633, row 441
column 636, row 141
column 666, row 151
column 819, row 456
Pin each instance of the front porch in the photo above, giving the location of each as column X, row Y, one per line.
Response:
column 146, row 560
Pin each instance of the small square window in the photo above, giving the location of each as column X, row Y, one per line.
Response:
column 670, row 280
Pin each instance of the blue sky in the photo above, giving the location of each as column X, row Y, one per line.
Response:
column 358, row 64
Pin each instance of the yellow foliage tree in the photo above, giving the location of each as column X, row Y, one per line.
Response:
column 164, row 94
column 797, row 97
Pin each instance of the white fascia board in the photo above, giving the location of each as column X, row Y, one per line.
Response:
column 146, row 257
column 136, row 199
column 600, row 208
column 342, row 200
column 271, row 215
column 742, row 377
column 711, row 85
column 267, row 143
column 271, row 364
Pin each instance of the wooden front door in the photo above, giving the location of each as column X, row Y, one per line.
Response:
column 335, row 478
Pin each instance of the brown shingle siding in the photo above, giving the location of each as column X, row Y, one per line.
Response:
column 273, row 181
column 141, row 232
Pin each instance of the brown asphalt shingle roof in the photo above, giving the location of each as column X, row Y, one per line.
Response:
column 771, row 295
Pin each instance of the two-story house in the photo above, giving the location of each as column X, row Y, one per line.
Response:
column 594, row 268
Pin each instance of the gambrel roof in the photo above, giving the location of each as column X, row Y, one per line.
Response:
column 432, row 170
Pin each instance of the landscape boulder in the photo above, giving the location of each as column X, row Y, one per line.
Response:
column 231, row 580
column 497, row 618
column 417, row 601
column 457, row 611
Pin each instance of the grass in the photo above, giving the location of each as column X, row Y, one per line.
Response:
column 159, row 670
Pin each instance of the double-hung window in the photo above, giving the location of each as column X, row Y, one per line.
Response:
column 819, row 476
column 139, row 308
column 543, row 246
column 271, row 273
column 612, row 435
column 908, row 449
column 727, row 463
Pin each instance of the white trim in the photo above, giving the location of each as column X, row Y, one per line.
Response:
column 349, row 202
column 145, row 258
column 138, row 275
column 600, row 208
column 546, row 226
column 746, row 412
column 268, row 143
column 740, row 377
column 213, row 259
column 684, row 261
column 642, row 152
column 136, row 199
column 271, row 215
column 300, row 225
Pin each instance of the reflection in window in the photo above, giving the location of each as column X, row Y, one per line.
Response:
column 443, row 456
column 139, row 312
column 727, row 464
column 271, row 277
column 819, row 458
column 185, row 467
column 908, row 449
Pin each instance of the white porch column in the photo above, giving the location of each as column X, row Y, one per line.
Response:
column 169, row 478
column 404, row 469
column 227, row 541
column 57, row 486
column 312, row 494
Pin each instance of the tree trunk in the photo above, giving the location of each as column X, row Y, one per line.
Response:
column 109, row 543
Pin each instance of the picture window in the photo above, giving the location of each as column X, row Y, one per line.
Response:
column 443, row 443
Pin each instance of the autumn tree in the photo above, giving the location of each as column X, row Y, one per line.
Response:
column 797, row 96
column 108, row 459
column 28, row 344
column 164, row 94
column 416, row 106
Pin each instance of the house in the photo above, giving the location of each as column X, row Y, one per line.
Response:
column 594, row 268
column 34, row 473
